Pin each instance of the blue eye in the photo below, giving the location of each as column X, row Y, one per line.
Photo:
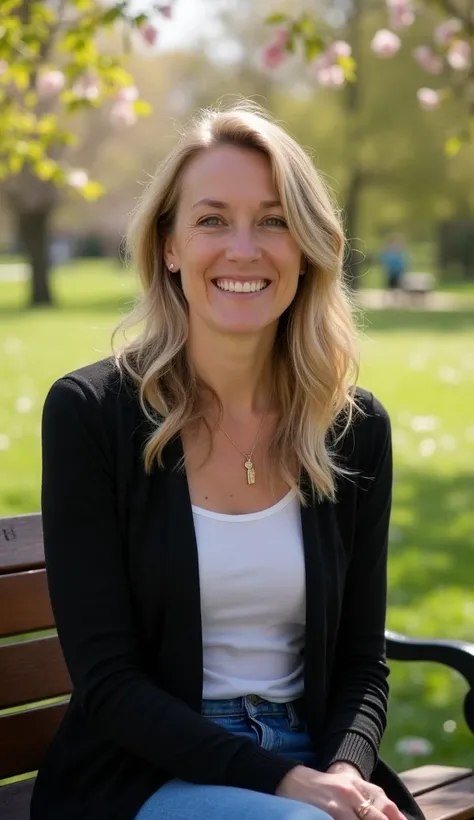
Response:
column 278, row 222
column 207, row 221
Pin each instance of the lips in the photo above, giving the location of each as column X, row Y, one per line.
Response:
column 241, row 286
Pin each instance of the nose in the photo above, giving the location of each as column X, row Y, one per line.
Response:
column 242, row 247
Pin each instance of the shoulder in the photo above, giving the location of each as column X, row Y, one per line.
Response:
column 97, row 388
column 371, row 414
column 369, row 432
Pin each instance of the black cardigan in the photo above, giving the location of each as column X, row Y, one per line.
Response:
column 123, row 576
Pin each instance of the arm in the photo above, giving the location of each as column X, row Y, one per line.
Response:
column 357, row 709
column 91, row 602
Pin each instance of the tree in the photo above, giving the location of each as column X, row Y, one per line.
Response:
column 337, row 63
column 59, row 62
column 333, row 62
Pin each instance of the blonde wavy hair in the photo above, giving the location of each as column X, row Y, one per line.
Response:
column 315, row 353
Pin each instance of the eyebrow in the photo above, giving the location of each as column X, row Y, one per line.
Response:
column 221, row 206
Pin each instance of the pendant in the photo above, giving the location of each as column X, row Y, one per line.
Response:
column 250, row 471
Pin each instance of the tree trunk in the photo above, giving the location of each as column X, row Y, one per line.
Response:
column 352, row 207
column 355, row 178
column 34, row 235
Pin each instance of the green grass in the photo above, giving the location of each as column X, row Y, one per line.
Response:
column 421, row 365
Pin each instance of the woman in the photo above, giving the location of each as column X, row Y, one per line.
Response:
column 216, row 502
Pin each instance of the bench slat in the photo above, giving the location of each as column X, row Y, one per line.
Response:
column 453, row 802
column 32, row 670
column 21, row 542
column 25, row 736
column 426, row 778
column 25, row 603
column 15, row 800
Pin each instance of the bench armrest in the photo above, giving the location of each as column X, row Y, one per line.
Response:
column 458, row 655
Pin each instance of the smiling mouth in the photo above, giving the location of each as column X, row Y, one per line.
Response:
column 238, row 286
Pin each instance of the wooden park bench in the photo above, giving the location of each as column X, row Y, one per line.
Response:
column 33, row 670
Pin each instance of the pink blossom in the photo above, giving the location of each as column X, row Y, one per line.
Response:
column 403, row 19
column 122, row 114
column 149, row 34
column 86, row 88
column 444, row 33
column 429, row 99
column 128, row 93
column 77, row 178
column 332, row 77
column 428, row 60
column 385, row 43
column 401, row 13
column 165, row 11
column 325, row 60
column 273, row 54
column 339, row 49
column 50, row 83
column 281, row 36
column 459, row 55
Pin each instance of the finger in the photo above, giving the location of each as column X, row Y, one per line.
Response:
column 389, row 809
column 364, row 811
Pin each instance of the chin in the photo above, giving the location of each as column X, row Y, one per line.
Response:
column 240, row 328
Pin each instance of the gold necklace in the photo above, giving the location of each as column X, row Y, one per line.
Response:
column 251, row 478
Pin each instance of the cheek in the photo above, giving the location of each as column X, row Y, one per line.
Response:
column 199, row 246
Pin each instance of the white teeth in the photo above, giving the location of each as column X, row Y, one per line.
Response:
column 241, row 287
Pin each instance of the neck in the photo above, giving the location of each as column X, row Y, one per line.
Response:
column 238, row 368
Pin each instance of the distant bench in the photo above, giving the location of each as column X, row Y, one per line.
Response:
column 34, row 670
column 417, row 286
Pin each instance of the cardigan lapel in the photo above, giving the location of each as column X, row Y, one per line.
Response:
column 325, row 562
column 181, row 657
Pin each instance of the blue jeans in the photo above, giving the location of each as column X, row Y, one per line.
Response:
column 278, row 727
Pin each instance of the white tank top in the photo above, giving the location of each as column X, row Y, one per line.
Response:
column 253, row 599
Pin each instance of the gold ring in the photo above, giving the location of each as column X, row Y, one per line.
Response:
column 364, row 808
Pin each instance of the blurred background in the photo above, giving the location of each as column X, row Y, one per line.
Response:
column 79, row 138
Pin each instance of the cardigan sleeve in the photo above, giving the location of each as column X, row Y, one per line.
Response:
column 91, row 601
column 357, row 709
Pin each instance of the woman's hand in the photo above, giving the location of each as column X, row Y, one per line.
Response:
column 339, row 793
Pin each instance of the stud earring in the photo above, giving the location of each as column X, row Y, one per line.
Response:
column 171, row 267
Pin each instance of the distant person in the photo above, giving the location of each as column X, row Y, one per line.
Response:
column 216, row 502
column 394, row 261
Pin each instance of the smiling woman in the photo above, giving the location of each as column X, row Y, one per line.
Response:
column 216, row 501
column 254, row 247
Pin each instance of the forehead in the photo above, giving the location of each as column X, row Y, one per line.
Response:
column 226, row 170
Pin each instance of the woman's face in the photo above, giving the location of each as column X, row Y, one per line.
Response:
column 239, row 264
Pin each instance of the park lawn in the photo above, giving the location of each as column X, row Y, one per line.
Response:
column 421, row 365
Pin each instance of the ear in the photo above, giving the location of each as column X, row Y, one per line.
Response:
column 170, row 255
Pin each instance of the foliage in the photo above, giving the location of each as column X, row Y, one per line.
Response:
column 334, row 62
column 53, row 64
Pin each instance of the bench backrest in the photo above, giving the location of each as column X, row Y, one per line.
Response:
column 32, row 667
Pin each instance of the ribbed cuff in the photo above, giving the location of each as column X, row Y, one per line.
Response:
column 259, row 770
column 351, row 747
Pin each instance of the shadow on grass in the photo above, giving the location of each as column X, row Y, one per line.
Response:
column 417, row 321
column 434, row 517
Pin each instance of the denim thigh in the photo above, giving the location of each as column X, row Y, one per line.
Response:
column 179, row 800
column 278, row 727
